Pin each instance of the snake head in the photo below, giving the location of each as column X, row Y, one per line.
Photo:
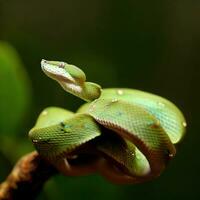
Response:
column 63, row 72
column 41, row 140
column 72, row 79
column 45, row 140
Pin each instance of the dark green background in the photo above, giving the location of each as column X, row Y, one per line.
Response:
column 149, row 45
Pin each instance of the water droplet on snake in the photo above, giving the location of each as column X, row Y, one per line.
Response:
column 184, row 124
column 44, row 112
column 120, row 92
column 114, row 100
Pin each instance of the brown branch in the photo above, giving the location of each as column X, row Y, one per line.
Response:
column 27, row 178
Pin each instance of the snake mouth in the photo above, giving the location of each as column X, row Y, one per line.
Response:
column 39, row 141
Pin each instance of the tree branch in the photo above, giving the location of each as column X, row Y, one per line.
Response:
column 27, row 178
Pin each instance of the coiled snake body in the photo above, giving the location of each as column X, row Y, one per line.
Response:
column 126, row 135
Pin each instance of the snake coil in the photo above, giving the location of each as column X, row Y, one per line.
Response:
column 126, row 135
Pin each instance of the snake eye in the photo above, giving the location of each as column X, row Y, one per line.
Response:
column 61, row 65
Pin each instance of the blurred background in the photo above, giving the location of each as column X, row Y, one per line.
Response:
column 148, row 45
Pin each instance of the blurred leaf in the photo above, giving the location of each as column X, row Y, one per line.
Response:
column 14, row 90
column 19, row 144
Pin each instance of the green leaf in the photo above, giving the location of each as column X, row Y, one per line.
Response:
column 14, row 90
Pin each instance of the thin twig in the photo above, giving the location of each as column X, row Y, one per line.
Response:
column 27, row 178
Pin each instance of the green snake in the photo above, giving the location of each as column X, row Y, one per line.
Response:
column 126, row 135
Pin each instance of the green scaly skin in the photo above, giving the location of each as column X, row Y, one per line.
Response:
column 126, row 135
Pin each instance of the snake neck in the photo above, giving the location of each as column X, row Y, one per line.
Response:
column 88, row 91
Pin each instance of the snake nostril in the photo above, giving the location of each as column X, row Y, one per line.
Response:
column 40, row 141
